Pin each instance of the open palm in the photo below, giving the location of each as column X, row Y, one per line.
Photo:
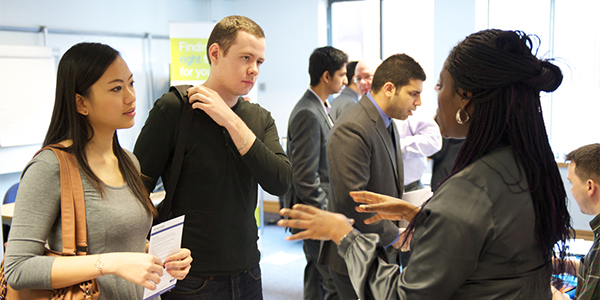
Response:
column 386, row 207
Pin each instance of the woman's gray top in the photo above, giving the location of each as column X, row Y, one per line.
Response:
column 475, row 239
column 117, row 222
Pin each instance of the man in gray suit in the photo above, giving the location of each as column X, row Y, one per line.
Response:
column 364, row 153
column 349, row 95
column 308, row 129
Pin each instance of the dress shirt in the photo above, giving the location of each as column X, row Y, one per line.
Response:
column 326, row 106
column 419, row 138
column 386, row 120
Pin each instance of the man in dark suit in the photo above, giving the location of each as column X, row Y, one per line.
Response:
column 349, row 95
column 308, row 128
column 364, row 153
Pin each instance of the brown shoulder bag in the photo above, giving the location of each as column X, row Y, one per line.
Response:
column 74, row 236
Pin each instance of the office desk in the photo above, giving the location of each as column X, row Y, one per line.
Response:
column 7, row 213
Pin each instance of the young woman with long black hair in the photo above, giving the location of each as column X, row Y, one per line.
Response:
column 94, row 98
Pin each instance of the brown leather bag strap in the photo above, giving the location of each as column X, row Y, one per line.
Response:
column 79, row 201
column 72, row 202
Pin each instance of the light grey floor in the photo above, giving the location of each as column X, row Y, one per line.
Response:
column 282, row 264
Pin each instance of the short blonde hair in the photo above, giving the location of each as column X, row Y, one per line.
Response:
column 225, row 32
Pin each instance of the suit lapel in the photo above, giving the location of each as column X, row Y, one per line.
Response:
column 317, row 103
column 385, row 137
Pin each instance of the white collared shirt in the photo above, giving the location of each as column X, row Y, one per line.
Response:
column 326, row 107
column 419, row 138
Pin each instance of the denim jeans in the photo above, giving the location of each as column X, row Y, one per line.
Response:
column 243, row 286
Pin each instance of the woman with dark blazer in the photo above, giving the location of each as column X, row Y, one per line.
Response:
column 490, row 229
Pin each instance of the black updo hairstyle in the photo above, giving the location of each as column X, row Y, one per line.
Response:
column 505, row 79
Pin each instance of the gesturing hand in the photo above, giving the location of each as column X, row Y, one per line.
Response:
column 386, row 207
column 319, row 224
column 178, row 264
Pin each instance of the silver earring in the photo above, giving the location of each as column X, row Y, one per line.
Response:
column 459, row 119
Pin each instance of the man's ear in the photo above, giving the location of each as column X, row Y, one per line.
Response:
column 326, row 77
column 213, row 53
column 389, row 89
column 591, row 187
column 81, row 106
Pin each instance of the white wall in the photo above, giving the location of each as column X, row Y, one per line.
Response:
column 109, row 16
column 413, row 34
column 127, row 16
column 453, row 21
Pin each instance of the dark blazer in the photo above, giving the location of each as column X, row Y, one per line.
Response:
column 308, row 129
column 343, row 101
column 443, row 161
column 361, row 157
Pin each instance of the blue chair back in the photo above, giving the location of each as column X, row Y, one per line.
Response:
column 11, row 194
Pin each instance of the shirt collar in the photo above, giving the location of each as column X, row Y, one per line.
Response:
column 386, row 120
column 326, row 105
column 595, row 225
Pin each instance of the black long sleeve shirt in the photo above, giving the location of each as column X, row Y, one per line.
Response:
column 217, row 187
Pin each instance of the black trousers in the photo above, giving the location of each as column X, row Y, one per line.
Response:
column 318, row 284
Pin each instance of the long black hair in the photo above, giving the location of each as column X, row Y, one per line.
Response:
column 79, row 68
column 505, row 80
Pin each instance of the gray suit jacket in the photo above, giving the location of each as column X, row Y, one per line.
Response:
column 343, row 101
column 361, row 157
column 308, row 129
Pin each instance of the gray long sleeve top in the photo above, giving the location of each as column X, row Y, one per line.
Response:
column 116, row 222
column 475, row 239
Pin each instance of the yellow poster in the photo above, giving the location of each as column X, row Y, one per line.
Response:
column 188, row 59
column 189, row 64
